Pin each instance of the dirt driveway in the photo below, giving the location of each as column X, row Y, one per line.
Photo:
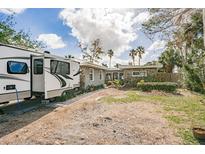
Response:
column 91, row 121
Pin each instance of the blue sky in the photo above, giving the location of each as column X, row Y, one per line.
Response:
column 46, row 21
column 62, row 29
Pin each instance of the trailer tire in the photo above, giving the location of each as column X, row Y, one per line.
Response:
column 27, row 99
column 52, row 99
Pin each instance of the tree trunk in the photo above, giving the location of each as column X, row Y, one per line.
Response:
column 139, row 61
column 110, row 63
column 133, row 59
column 169, row 68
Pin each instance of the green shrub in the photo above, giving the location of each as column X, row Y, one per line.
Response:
column 192, row 79
column 118, row 83
column 132, row 82
column 141, row 81
column 161, row 86
column 90, row 88
column 65, row 96
column 108, row 83
column 99, row 87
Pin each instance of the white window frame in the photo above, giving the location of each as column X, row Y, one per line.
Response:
column 101, row 75
column 91, row 69
column 145, row 74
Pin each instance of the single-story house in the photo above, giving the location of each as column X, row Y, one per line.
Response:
column 92, row 74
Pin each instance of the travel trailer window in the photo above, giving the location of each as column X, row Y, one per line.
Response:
column 91, row 74
column 38, row 66
column 14, row 67
column 59, row 67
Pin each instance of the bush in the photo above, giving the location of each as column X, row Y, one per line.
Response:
column 99, row 87
column 65, row 96
column 118, row 83
column 132, row 82
column 90, row 88
column 108, row 83
column 192, row 79
column 161, row 86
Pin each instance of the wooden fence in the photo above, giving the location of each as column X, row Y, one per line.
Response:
column 167, row 77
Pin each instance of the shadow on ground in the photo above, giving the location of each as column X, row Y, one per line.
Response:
column 16, row 116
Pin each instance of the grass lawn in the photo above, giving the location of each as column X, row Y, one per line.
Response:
column 183, row 110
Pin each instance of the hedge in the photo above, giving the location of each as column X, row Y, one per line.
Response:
column 161, row 86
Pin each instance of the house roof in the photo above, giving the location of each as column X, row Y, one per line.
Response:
column 92, row 65
column 137, row 66
column 113, row 69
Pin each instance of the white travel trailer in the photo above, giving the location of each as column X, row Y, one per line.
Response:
column 26, row 73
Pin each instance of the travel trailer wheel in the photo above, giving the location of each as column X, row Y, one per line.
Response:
column 77, row 89
column 27, row 99
column 52, row 99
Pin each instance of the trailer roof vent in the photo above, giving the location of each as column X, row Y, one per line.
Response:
column 48, row 52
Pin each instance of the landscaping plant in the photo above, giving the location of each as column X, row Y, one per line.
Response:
column 161, row 86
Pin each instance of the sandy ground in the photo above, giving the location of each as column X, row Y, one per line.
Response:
column 89, row 121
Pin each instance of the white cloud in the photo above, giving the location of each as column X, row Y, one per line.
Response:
column 157, row 45
column 53, row 41
column 12, row 10
column 142, row 17
column 114, row 60
column 154, row 51
column 114, row 27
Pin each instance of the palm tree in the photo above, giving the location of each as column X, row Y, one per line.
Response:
column 169, row 59
column 132, row 54
column 110, row 54
column 139, row 51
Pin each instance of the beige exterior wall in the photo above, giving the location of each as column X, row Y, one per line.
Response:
column 85, row 80
column 128, row 72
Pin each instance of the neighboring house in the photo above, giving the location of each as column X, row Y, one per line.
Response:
column 92, row 74
column 131, row 71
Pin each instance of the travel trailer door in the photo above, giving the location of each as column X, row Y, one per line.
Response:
column 38, row 84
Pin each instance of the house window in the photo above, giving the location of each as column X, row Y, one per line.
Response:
column 121, row 76
column 91, row 74
column 139, row 73
column 115, row 76
column 101, row 75
column 14, row 67
column 38, row 66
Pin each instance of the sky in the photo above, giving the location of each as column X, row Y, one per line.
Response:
column 62, row 29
